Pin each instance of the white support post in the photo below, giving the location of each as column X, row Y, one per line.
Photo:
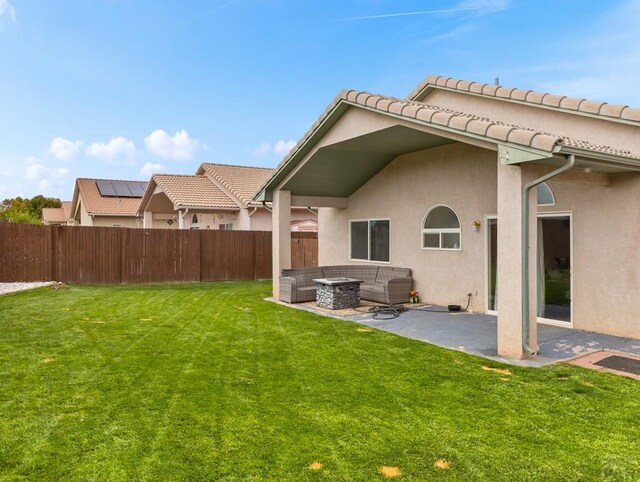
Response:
column 511, row 180
column 281, row 240
column 147, row 219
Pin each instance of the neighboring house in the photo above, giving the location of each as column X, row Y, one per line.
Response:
column 57, row 215
column 218, row 196
column 107, row 202
column 444, row 182
column 186, row 202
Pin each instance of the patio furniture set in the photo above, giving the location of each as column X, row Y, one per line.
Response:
column 338, row 287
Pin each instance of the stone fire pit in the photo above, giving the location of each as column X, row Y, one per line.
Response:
column 337, row 293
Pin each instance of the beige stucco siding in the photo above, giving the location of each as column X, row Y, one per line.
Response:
column 605, row 222
column 606, row 236
column 459, row 176
column 122, row 221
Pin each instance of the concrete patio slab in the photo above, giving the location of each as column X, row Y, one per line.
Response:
column 476, row 333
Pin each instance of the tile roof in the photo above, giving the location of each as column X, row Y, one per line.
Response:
column 453, row 121
column 53, row 215
column 571, row 104
column 186, row 190
column 66, row 207
column 96, row 204
column 474, row 125
column 241, row 181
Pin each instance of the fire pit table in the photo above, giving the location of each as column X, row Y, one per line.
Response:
column 337, row 293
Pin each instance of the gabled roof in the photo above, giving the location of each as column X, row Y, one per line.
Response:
column 445, row 121
column 97, row 205
column 57, row 215
column 241, row 181
column 188, row 191
column 622, row 113
column 66, row 207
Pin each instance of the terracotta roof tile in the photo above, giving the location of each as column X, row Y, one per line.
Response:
column 53, row 215
column 196, row 191
column 96, row 204
column 461, row 122
column 585, row 106
column 482, row 126
column 66, row 207
column 241, row 181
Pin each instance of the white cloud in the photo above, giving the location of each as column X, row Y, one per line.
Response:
column 7, row 8
column 64, row 149
column 46, row 177
column 117, row 149
column 283, row 148
column 262, row 150
column 180, row 147
column 280, row 148
column 37, row 170
column 151, row 168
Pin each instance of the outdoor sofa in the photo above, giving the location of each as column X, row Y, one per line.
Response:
column 383, row 284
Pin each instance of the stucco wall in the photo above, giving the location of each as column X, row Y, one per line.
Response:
column 460, row 176
column 605, row 221
column 122, row 221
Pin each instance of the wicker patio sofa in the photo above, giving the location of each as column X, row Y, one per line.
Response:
column 383, row 284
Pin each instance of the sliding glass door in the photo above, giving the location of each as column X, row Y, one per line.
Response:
column 553, row 268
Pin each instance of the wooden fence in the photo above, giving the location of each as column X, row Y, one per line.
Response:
column 76, row 254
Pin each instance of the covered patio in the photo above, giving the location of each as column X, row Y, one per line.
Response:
column 342, row 166
column 476, row 334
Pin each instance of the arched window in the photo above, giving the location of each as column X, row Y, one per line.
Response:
column 441, row 229
column 194, row 222
column 545, row 195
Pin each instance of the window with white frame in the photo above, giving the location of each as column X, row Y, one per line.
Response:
column 226, row 227
column 194, row 222
column 441, row 229
column 370, row 240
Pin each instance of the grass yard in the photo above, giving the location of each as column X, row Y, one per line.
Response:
column 210, row 382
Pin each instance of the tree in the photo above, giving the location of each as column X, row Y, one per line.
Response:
column 25, row 210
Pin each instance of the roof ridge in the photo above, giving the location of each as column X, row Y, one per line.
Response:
column 235, row 165
column 541, row 99
column 103, row 179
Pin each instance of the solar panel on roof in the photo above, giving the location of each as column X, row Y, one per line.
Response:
column 106, row 188
column 137, row 188
column 121, row 188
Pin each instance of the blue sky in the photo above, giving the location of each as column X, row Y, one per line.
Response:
column 122, row 88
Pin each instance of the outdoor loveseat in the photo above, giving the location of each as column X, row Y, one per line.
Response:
column 383, row 284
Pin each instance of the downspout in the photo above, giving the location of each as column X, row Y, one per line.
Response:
column 264, row 205
column 312, row 211
column 254, row 210
column 571, row 160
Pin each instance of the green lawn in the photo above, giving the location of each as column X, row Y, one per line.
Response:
column 210, row 382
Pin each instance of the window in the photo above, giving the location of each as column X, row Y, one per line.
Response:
column 370, row 240
column 545, row 195
column 226, row 227
column 194, row 222
column 441, row 229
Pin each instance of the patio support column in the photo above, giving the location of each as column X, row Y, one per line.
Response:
column 511, row 180
column 281, row 240
column 147, row 219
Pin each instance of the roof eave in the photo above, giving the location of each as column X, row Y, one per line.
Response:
column 602, row 158
column 336, row 108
